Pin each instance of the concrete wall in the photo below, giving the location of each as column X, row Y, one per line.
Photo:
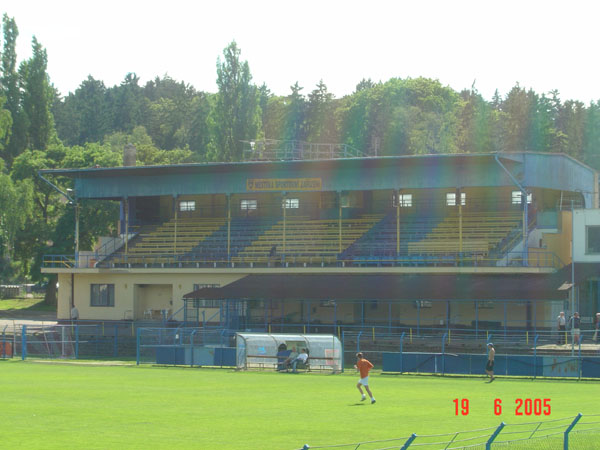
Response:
column 134, row 293
column 582, row 219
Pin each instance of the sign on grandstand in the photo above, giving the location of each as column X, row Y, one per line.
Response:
column 283, row 184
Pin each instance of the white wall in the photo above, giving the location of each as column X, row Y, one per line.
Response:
column 581, row 219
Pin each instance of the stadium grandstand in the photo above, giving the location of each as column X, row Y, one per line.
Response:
column 341, row 240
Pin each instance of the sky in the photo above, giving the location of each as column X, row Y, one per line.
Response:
column 491, row 45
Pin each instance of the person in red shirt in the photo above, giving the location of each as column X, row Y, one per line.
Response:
column 363, row 367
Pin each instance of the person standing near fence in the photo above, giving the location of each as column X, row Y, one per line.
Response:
column 489, row 367
column 363, row 366
column 597, row 320
column 74, row 314
column 575, row 325
column 561, row 322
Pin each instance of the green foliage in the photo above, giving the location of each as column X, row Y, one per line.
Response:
column 147, row 153
column 9, row 88
column 5, row 125
column 91, row 155
column 295, row 115
column 237, row 114
column 170, row 122
column 37, row 98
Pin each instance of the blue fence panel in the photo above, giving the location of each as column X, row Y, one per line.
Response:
column 462, row 364
column 170, row 355
column 590, row 367
column 225, row 356
column 466, row 364
column 392, row 362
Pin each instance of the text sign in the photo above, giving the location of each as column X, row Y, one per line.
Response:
column 283, row 184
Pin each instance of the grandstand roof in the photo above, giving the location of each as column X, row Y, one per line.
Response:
column 553, row 171
column 391, row 287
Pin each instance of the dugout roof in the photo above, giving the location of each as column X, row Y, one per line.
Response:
column 399, row 287
column 544, row 170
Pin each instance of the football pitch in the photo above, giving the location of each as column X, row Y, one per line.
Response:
column 47, row 405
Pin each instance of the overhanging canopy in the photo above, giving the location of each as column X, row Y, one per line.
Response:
column 391, row 287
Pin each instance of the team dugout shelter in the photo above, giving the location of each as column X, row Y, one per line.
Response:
column 312, row 246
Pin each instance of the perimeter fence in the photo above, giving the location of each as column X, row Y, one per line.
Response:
column 579, row 432
column 517, row 354
column 72, row 341
column 186, row 346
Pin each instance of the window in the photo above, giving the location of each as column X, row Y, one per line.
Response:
column 291, row 203
column 102, row 295
column 592, row 239
column 423, row 304
column 345, row 200
column 189, row 205
column 451, row 199
column 248, row 205
column 206, row 303
column 402, row 200
column 485, row 304
column 516, row 198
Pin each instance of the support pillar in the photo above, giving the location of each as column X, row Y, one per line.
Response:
column 397, row 223
column 340, row 221
column 126, row 204
column 460, row 220
column 525, row 227
column 228, row 196
column 76, row 233
column 175, row 227
column 284, row 222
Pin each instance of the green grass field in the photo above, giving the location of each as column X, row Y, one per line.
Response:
column 22, row 304
column 46, row 405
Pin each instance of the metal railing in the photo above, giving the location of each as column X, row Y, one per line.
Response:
column 536, row 258
column 539, row 434
column 276, row 150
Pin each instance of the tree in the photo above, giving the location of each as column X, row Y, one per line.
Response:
column 237, row 113
column 31, row 242
column 5, row 125
column 320, row 117
column 9, row 88
column 127, row 105
column 37, row 99
column 570, row 122
column 591, row 136
column 516, row 119
column 15, row 209
column 364, row 84
column 295, row 115
column 91, row 111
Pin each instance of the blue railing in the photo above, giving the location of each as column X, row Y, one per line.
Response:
column 546, row 433
column 535, row 258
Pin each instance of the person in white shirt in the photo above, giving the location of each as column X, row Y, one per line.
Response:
column 301, row 358
column 561, row 322
column 74, row 314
